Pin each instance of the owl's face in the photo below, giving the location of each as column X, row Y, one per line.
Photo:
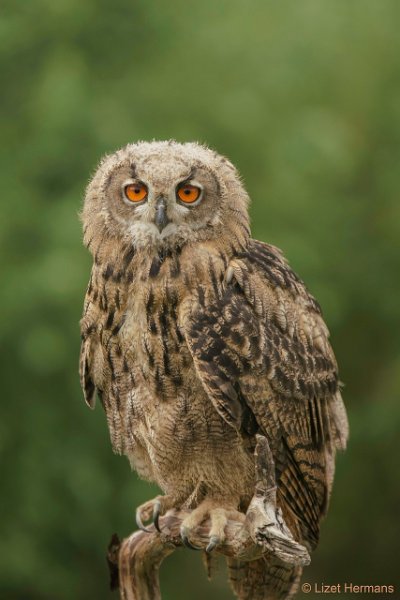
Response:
column 164, row 194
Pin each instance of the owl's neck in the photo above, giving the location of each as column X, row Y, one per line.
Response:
column 121, row 273
column 126, row 285
column 121, row 262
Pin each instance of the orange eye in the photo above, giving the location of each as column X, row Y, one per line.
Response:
column 188, row 193
column 135, row 192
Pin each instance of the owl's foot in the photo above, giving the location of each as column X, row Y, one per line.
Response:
column 152, row 510
column 209, row 509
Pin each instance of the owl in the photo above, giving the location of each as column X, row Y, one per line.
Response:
column 197, row 339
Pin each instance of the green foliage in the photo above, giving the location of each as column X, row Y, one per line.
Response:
column 305, row 98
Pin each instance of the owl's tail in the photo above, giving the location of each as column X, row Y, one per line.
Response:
column 263, row 579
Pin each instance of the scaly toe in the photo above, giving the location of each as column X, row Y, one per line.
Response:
column 139, row 521
column 185, row 539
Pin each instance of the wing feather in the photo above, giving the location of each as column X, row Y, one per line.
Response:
column 90, row 362
column 85, row 372
column 261, row 346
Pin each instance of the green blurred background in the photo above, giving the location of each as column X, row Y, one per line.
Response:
column 304, row 97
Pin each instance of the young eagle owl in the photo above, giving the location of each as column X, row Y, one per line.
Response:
column 197, row 338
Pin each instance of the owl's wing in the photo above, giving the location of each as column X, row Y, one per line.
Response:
column 262, row 353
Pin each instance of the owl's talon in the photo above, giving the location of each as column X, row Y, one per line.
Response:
column 213, row 543
column 156, row 515
column 151, row 511
column 185, row 540
column 139, row 522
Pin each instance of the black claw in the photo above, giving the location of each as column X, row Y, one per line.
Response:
column 156, row 515
column 139, row 522
column 213, row 543
column 186, row 542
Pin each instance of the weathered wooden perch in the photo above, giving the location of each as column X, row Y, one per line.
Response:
column 137, row 559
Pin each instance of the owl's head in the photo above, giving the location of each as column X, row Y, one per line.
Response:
column 165, row 194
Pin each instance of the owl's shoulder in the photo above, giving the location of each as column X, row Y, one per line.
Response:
column 263, row 267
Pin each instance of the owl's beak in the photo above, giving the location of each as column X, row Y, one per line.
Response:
column 161, row 218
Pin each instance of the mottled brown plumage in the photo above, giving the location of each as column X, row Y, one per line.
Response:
column 196, row 338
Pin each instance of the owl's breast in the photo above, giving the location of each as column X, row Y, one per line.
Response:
column 166, row 423
column 170, row 425
column 154, row 344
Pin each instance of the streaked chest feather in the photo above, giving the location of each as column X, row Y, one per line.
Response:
column 158, row 411
column 148, row 364
column 152, row 340
column 171, row 419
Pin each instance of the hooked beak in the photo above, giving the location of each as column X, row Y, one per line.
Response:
column 161, row 220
